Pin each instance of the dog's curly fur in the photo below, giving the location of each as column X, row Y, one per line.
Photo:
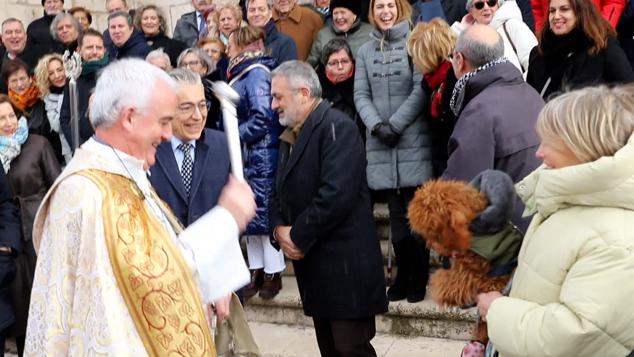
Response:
column 441, row 212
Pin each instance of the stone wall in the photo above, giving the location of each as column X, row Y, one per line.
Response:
column 27, row 10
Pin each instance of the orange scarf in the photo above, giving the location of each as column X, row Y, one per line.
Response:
column 27, row 99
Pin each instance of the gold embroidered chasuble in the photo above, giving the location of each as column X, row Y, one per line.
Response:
column 84, row 302
column 153, row 277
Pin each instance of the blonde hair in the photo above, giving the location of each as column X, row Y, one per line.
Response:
column 430, row 43
column 403, row 8
column 235, row 9
column 41, row 73
column 593, row 122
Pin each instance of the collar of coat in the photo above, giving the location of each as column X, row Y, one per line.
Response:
column 605, row 182
column 295, row 15
column 289, row 135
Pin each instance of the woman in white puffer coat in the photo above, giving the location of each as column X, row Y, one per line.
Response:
column 573, row 287
column 506, row 18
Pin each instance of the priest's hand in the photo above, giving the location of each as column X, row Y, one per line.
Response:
column 221, row 307
column 283, row 237
column 238, row 198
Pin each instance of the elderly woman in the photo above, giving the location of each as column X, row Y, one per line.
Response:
column 572, row 290
column 31, row 168
column 228, row 16
column 151, row 22
column 577, row 47
column 506, row 18
column 159, row 59
column 65, row 29
column 50, row 78
column 25, row 94
column 249, row 74
column 336, row 75
column 345, row 24
column 213, row 47
column 390, row 101
column 82, row 15
column 430, row 45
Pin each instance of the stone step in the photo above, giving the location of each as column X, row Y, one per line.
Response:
column 299, row 341
column 424, row 319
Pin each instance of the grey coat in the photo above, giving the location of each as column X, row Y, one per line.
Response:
column 495, row 129
column 387, row 88
column 186, row 29
column 357, row 35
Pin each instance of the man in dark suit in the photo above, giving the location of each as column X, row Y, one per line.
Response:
column 192, row 168
column 189, row 27
column 322, row 217
column 39, row 30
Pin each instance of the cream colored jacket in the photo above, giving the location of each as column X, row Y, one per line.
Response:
column 573, row 290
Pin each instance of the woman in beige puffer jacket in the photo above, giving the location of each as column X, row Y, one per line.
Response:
column 573, row 290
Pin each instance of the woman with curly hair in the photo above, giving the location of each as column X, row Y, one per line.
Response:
column 50, row 78
column 577, row 47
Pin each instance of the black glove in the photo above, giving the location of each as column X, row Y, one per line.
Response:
column 7, row 269
column 500, row 191
column 386, row 134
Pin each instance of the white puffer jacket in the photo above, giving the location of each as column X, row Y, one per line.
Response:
column 574, row 284
column 520, row 35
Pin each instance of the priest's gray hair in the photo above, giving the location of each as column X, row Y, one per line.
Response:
column 299, row 75
column 185, row 76
column 125, row 83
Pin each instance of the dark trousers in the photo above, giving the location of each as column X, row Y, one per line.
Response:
column 345, row 338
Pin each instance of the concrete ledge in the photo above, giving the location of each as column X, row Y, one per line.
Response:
column 404, row 319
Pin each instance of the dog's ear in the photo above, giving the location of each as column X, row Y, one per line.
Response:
column 456, row 232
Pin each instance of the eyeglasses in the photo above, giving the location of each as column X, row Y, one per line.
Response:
column 480, row 4
column 18, row 81
column 335, row 63
column 191, row 63
column 188, row 109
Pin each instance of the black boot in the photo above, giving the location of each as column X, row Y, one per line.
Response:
column 419, row 275
column 398, row 290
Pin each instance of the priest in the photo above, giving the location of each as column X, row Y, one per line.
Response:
column 116, row 273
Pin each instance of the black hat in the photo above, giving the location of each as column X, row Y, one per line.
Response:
column 45, row 1
column 352, row 5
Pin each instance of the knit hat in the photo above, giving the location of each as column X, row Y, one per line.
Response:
column 43, row 1
column 352, row 5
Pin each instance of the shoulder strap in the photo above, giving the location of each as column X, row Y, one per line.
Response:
column 506, row 32
column 246, row 70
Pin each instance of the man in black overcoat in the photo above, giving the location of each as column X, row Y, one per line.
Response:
column 321, row 215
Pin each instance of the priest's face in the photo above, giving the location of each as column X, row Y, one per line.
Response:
column 148, row 128
column 192, row 112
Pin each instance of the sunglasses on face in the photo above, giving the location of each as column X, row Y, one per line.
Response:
column 480, row 4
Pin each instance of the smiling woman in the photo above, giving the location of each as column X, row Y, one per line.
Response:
column 149, row 19
column 577, row 47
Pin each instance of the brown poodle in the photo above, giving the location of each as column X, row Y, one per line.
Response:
column 441, row 212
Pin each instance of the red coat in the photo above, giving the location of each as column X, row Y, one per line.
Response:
column 610, row 10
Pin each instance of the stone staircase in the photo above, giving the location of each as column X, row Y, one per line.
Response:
column 422, row 319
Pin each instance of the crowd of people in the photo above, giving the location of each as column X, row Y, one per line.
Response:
column 422, row 90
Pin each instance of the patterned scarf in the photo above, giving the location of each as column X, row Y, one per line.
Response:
column 27, row 99
column 457, row 96
column 10, row 145
column 241, row 58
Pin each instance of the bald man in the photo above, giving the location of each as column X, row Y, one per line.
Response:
column 496, row 113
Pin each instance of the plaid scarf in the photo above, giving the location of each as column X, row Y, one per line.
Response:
column 457, row 96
